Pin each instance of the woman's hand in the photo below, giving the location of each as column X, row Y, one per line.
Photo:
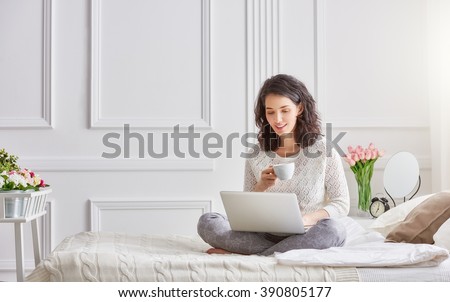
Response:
column 308, row 220
column 312, row 218
column 267, row 180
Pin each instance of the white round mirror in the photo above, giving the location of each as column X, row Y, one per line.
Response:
column 401, row 174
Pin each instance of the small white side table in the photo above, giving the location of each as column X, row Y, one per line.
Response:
column 33, row 208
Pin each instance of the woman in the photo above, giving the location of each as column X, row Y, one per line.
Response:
column 289, row 126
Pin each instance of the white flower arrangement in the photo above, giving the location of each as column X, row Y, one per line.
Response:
column 12, row 177
column 21, row 180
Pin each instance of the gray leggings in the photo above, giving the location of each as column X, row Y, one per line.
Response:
column 215, row 230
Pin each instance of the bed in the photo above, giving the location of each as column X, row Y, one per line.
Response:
column 108, row 256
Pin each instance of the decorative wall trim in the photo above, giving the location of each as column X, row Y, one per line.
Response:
column 424, row 164
column 321, row 85
column 263, row 44
column 100, row 122
column 25, row 123
column 91, row 164
column 8, row 269
column 46, row 230
column 45, row 120
column 100, row 205
column 88, row 164
column 319, row 55
column 391, row 123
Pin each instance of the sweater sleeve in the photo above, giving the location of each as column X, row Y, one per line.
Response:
column 336, row 187
column 249, row 177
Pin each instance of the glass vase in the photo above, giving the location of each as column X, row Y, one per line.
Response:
column 363, row 177
column 364, row 194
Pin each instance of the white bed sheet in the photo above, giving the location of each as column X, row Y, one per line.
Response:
column 440, row 273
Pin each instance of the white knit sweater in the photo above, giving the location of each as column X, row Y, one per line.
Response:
column 318, row 182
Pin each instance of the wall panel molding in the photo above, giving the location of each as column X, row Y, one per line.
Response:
column 45, row 120
column 376, row 122
column 45, row 229
column 424, row 164
column 164, row 209
column 320, row 58
column 400, row 122
column 95, row 164
column 263, row 44
column 97, row 120
column 90, row 164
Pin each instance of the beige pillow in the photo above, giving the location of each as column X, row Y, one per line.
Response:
column 423, row 221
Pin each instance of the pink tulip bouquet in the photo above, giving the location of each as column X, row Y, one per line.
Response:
column 361, row 162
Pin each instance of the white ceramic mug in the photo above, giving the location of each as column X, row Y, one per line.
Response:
column 284, row 171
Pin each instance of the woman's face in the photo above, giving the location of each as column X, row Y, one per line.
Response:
column 281, row 113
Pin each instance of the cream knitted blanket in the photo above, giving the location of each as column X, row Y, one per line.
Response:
column 107, row 256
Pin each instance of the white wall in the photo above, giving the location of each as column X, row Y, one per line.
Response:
column 73, row 71
column 439, row 90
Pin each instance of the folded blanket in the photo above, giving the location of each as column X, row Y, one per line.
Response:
column 372, row 254
column 365, row 248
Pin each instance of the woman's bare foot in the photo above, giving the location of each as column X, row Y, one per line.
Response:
column 217, row 251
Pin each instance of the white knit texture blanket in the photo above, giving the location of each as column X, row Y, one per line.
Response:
column 106, row 256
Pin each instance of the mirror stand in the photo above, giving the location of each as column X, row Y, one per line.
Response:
column 404, row 197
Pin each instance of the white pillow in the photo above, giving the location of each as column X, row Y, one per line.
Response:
column 442, row 236
column 386, row 222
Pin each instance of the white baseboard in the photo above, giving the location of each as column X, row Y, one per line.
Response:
column 8, row 269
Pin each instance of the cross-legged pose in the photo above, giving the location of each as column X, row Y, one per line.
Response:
column 289, row 131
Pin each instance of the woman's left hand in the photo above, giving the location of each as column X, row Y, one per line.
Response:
column 312, row 218
column 308, row 220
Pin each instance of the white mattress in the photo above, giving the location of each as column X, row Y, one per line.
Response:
column 438, row 273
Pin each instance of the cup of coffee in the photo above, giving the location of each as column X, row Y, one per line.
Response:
column 284, row 171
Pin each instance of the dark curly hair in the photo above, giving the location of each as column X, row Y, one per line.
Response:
column 308, row 127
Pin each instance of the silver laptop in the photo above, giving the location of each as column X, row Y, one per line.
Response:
column 263, row 212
